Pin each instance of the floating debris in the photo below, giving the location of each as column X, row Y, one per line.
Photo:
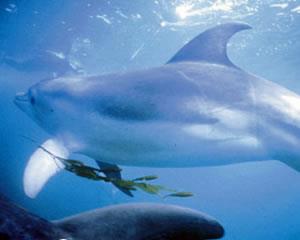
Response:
column 104, row 18
column 137, row 52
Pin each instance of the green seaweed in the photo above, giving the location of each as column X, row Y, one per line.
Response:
column 179, row 194
column 146, row 178
column 149, row 188
column 141, row 183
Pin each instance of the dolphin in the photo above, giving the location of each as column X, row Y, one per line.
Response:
column 48, row 61
column 139, row 221
column 199, row 109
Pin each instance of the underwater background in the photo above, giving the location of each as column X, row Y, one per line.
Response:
column 258, row 200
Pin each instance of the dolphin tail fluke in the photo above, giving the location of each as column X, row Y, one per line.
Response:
column 113, row 171
column 42, row 166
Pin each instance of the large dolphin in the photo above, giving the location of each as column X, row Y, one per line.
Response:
column 199, row 109
column 140, row 221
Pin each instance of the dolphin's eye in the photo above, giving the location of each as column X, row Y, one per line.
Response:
column 32, row 100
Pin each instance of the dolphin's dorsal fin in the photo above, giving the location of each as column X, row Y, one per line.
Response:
column 42, row 166
column 210, row 46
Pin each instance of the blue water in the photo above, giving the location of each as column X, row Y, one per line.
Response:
column 252, row 201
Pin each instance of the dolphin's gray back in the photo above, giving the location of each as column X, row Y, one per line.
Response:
column 161, row 94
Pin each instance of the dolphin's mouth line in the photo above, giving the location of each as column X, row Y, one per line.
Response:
column 22, row 97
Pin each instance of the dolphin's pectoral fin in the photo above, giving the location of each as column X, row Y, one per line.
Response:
column 113, row 171
column 42, row 166
column 210, row 46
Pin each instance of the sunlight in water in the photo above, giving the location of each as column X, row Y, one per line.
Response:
column 198, row 12
column 184, row 10
column 194, row 8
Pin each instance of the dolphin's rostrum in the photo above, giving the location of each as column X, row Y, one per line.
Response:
column 199, row 109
